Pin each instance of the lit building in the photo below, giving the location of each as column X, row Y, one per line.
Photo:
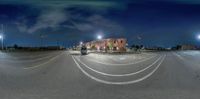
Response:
column 188, row 47
column 110, row 44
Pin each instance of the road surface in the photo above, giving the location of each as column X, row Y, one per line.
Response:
column 65, row 75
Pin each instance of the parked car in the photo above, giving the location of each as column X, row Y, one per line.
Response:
column 83, row 50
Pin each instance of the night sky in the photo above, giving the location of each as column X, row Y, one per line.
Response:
column 151, row 23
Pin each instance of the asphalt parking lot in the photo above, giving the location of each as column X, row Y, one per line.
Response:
column 62, row 74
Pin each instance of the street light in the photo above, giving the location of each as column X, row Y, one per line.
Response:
column 81, row 43
column 198, row 36
column 1, row 37
column 99, row 37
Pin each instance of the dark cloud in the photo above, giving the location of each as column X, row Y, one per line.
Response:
column 55, row 17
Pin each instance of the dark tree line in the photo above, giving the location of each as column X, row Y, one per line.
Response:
column 137, row 47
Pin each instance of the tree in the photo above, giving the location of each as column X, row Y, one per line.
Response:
column 110, row 45
column 133, row 46
column 141, row 46
column 15, row 46
column 137, row 47
column 178, row 47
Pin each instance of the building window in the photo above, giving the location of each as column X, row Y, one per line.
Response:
column 121, row 41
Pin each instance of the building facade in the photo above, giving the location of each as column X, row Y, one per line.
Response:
column 110, row 44
column 188, row 47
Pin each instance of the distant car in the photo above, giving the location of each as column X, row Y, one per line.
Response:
column 83, row 50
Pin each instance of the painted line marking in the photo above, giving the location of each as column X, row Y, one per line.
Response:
column 185, row 60
column 30, row 56
column 122, row 58
column 117, row 83
column 32, row 67
column 109, row 64
column 24, row 61
column 179, row 56
column 129, row 74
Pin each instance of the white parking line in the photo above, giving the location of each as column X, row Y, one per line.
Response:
column 185, row 60
column 22, row 61
column 30, row 56
column 179, row 56
column 129, row 74
column 148, row 53
column 32, row 67
column 109, row 64
column 117, row 83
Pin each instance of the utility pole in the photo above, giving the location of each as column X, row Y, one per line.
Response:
column 42, row 37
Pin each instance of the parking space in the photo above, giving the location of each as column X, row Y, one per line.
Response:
column 116, row 72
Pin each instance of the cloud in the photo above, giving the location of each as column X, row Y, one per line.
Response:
column 83, row 26
column 56, row 17
column 22, row 27
column 21, row 24
column 102, row 22
column 66, row 3
column 95, row 22
column 50, row 18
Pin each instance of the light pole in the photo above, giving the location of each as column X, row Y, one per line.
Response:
column 1, row 37
column 81, row 44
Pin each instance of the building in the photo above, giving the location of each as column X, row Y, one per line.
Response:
column 188, row 47
column 110, row 44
